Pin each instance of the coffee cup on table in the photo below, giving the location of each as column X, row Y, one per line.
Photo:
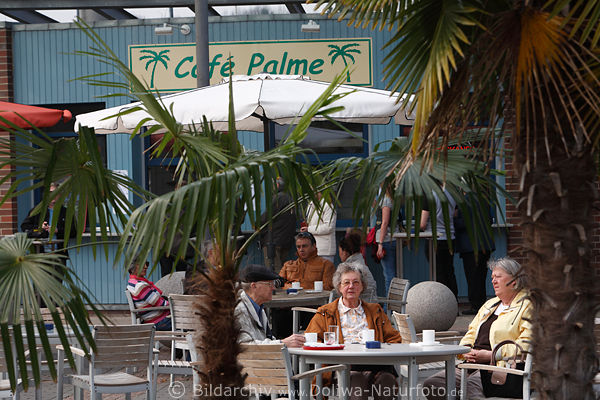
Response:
column 367, row 335
column 310, row 337
column 318, row 286
column 295, row 285
column 428, row 336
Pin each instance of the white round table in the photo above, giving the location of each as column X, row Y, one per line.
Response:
column 388, row 354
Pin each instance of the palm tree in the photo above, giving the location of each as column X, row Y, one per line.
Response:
column 155, row 58
column 226, row 185
column 344, row 51
column 87, row 189
column 532, row 65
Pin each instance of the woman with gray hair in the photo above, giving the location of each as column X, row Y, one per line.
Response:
column 505, row 317
column 349, row 250
column 352, row 316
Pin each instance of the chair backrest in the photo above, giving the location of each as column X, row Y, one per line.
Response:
column 333, row 294
column 266, row 369
column 3, row 363
column 406, row 327
column 5, row 391
column 183, row 313
column 123, row 346
column 135, row 319
column 398, row 291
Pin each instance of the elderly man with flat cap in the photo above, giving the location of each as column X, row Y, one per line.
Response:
column 257, row 288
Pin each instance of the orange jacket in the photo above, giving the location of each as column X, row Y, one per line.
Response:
column 376, row 319
column 315, row 269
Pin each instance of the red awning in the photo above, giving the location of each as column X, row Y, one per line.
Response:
column 37, row 116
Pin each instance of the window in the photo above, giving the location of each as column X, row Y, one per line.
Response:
column 328, row 141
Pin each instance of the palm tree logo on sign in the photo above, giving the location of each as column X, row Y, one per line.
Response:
column 345, row 52
column 155, row 58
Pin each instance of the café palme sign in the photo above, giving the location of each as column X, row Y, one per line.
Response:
column 172, row 67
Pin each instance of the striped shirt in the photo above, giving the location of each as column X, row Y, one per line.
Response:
column 145, row 294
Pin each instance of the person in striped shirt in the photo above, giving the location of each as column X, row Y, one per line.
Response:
column 145, row 294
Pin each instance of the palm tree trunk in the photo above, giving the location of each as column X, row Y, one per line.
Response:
column 556, row 201
column 221, row 375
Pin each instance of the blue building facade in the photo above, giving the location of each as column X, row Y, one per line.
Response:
column 45, row 64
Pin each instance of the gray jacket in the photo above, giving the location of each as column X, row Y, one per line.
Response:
column 251, row 329
column 370, row 293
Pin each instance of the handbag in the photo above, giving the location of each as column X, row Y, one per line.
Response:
column 371, row 241
column 503, row 384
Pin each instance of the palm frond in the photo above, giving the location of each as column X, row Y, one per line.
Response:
column 26, row 278
column 582, row 15
column 459, row 173
column 364, row 13
column 88, row 190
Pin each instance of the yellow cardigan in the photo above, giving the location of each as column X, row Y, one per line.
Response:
column 512, row 324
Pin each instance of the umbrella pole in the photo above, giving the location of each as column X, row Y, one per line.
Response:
column 267, row 133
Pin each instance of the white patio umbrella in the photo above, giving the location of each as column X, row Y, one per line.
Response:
column 257, row 99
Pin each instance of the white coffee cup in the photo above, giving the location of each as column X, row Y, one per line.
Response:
column 428, row 336
column 318, row 286
column 295, row 285
column 311, row 337
column 368, row 335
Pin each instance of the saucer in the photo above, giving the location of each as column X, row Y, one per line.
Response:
column 436, row 343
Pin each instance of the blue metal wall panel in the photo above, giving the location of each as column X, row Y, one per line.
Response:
column 45, row 64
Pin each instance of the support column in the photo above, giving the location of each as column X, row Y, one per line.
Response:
column 8, row 211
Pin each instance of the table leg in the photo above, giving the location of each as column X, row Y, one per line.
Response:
column 450, row 379
column 319, row 382
column 399, row 260
column 413, row 372
column 304, row 383
column 344, row 384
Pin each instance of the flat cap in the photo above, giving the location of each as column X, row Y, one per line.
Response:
column 257, row 273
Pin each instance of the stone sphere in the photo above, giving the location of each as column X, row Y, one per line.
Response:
column 431, row 305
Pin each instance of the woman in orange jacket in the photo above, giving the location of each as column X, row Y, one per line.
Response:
column 352, row 316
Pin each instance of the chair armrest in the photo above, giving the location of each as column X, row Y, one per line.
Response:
column 305, row 309
column 170, row 335
column 143, row 310
column 488, row 367
column 318, row 371
column 449, row 339
column 390, row 301
column 442, row 334
column 447, row 333
column 75, row 350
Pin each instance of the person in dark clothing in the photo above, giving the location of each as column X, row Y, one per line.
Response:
column 278, row 239
column 31, row 224
column 474, row 263
column 444, row 258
